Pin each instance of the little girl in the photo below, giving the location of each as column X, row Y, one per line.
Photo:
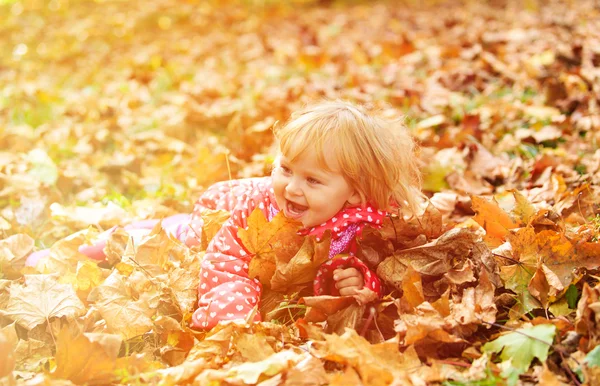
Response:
column 338, row 169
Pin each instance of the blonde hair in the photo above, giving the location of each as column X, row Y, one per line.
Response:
column 376, row 156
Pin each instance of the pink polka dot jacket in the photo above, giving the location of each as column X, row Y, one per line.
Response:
column 225, row 291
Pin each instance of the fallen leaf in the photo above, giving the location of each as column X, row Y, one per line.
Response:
column 40, row 299
column 301, row 268
column 95, row 367
column 523, row 345
column 13, row 253
column 123, row 314
column 269, row 242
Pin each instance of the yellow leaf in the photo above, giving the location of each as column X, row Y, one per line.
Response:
column 87, row 276
column 64, row 254
column 4, row 225
column 41, row 298
column 86, row 358
column 8, row 344
column 213, row 221
column 269, row 242
column 13, row 253
column 123, row 314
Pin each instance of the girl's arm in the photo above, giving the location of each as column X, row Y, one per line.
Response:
column 324, row 283
column 225, row 291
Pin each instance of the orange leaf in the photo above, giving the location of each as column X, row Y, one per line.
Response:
column 269, row 242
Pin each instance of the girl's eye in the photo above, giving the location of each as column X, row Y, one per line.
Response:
column 313, row 181
column 285, row 169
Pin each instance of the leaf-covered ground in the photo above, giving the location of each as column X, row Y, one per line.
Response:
column 114, row 111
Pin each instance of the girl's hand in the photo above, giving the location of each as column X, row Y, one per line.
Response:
column 348, row 281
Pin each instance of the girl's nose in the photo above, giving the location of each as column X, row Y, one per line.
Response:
column 293, row 187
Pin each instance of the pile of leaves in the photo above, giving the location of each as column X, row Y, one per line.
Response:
column 113, row 112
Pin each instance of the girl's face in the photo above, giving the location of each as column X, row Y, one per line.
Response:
column 306, row 192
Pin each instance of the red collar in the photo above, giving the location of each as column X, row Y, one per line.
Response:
column 345, row 218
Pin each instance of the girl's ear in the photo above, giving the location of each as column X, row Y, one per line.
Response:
column 355, row 199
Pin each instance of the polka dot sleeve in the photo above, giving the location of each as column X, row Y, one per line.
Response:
column 225, row 291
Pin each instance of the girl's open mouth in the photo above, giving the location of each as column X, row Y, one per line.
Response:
column 294, row 210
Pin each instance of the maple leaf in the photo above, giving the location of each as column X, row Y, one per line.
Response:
column 40, row 299
column 269, row 242
column 123, row 314
column 523, row 345
column 301, row 268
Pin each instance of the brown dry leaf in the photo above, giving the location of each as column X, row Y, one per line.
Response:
column 309, row 371
column 152, row 253
column 123, row 314
column 269, row 242
column 321, row 307
column 302, row 268
column 476, row 306
column 32, row 354
column 379, row 364
column 41, row 298
column 562, row 255
column 64, row 254
column 253, row 372
column 254, row 347
column 434, row 258
column 412, row 289
column 349, row 377
column 349, row 317
column 184, row 284
column 95, row 367
column 548, row 378
column 116, row 245
column 13, row 253
column 545, row 286
column 440, row 330
column 587, row 321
